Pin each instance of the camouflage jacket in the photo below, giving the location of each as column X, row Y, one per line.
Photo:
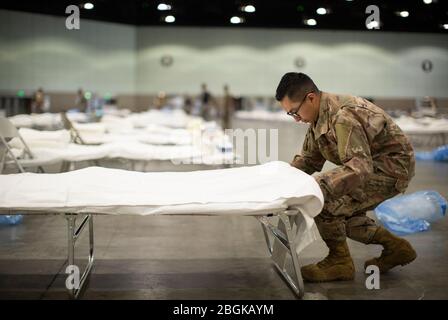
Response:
column 360, row 137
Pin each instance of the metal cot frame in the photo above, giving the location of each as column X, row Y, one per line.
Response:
column 279, row 240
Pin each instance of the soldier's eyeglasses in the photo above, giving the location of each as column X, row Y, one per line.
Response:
column 295, row 113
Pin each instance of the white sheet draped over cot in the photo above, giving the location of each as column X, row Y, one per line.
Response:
column 256, row 190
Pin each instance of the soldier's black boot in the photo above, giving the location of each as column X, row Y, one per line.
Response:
column 337, row 266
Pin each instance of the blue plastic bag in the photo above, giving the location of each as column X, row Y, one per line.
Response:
column 10, row 220
column 411, row 213
column 439, row 154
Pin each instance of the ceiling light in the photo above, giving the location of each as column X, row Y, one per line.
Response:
column 427, row 1
column 88, row 6
column 170, row 19
column 310, row 22
column 403, row 14
column 236, row 20
column 249, row 8
column 163, row 7
column 321, row 11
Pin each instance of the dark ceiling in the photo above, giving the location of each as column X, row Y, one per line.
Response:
column 344, row 14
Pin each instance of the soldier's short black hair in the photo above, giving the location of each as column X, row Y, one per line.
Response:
column 295, row 85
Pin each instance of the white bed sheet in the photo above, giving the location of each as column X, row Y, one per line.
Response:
column 137, row 136
column 49, row 147
column 255, row 190
column 46, row 120
column 60, row 138
column 41, row 139
column 170, row 118
column 423, row 126
column 125, row 150
column 263, row 115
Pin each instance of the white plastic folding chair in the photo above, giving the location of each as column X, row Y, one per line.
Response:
column 8, row 157
column 75, row 138
column 74, row 133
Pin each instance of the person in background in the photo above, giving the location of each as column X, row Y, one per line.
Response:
column 160, row 101
column 228, row 108
column 188, row 104
column 81, row 101
column 206, row 102
column 38, row 101
column 428, row 106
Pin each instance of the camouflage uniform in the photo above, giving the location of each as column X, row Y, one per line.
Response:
column 376, row 163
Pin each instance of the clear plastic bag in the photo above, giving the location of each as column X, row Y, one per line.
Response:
column 11, row 219
column 411, row 213
column 439, row 154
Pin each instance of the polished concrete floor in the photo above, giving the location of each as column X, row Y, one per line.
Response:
column 205, row 258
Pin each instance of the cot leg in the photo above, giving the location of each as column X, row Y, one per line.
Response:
column 64, row 166
column 2, row 163
column 73, row 234
column 71, row 220
column 281, row 246
column 67, row 166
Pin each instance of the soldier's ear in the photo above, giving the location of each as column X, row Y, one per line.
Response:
column 312, row 96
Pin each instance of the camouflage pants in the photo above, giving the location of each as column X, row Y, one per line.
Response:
column 346, row 216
